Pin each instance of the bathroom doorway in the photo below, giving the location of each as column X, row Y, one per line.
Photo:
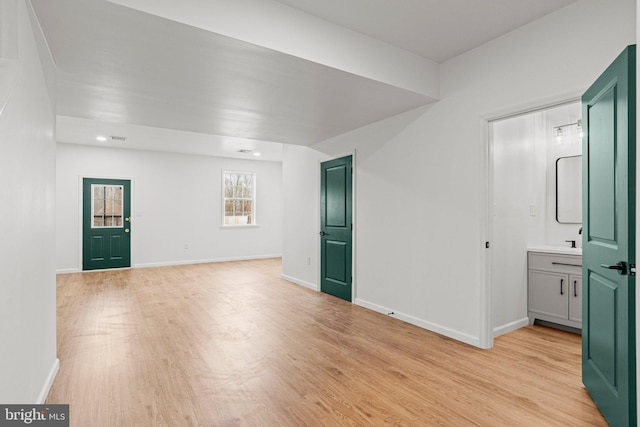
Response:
column 524, row 150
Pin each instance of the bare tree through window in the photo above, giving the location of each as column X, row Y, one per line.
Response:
column 239, row 198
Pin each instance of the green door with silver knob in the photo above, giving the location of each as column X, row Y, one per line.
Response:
column 608, row 264
column 106, row 223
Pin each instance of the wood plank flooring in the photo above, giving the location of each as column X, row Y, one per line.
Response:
column 231, row 344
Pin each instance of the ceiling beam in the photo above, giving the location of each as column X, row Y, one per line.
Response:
column 276, row 26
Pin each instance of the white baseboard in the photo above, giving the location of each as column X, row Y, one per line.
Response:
column 509, row 327
column 47, row 385
column 433, row 327
column 205, row 261
column 170, row 263
column 299, row 282
column 186, row 262
column 67, row 270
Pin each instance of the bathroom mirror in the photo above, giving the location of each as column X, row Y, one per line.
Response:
column 569, row 190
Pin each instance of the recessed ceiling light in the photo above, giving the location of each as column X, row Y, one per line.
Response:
column 257, row 154
column 101, row 138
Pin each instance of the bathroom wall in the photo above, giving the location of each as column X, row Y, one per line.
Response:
column 567, row 145
column 519, row 157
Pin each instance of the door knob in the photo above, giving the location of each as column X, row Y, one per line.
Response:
column 126, row 230
column 621, row 267
column 128, row 219
column 322, row 233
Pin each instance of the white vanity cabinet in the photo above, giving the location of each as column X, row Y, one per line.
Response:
column 555, row 288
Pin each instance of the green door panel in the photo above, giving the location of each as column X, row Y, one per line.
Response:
column 608, row 303
column 336, row 192
column 336, row 230
column 106, row 224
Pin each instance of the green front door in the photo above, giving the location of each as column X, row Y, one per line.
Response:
column 608, row 265
column 106, row 223
column 336, row 227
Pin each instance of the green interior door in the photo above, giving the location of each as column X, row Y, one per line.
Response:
column 106, row 223
column 608, row 304
column 336, row 227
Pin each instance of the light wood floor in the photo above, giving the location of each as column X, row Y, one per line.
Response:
column 232, row 344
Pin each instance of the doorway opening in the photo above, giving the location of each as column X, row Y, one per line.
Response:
column 530, row 181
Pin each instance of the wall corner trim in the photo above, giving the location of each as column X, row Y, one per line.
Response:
column 303, row 283
column 430, row 326
column 49, row 382
column 510, row 327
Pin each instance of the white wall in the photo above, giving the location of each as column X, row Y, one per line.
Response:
column 28, row 361
column 301, row 177
column 176, row 201
column 429, row 267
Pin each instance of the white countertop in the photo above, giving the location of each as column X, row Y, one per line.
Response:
column 564, row 250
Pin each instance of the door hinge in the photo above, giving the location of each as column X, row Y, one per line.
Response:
column 351, row 227
column 351, row 170
column 486, row 245
column 632, row 269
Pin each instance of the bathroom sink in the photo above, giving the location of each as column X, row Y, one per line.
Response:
column 556, row 250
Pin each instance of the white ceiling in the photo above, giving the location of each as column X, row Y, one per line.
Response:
column 434, row 29
column 74, row 130
column 124, row 69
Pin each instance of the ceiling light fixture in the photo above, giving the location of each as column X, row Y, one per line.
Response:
column 101, row 138
column 257, row 154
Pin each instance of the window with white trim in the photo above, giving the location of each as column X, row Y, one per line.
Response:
column 239, row 198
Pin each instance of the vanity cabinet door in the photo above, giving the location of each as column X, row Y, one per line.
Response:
column 548, row 294
column 575, row 298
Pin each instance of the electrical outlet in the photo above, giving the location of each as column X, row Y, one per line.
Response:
column 186, row 246
column 533, row 210
column 308, row 260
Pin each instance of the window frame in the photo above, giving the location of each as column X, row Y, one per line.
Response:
column 253, row 199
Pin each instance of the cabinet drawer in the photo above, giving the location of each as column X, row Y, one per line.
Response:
column 571, row 264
